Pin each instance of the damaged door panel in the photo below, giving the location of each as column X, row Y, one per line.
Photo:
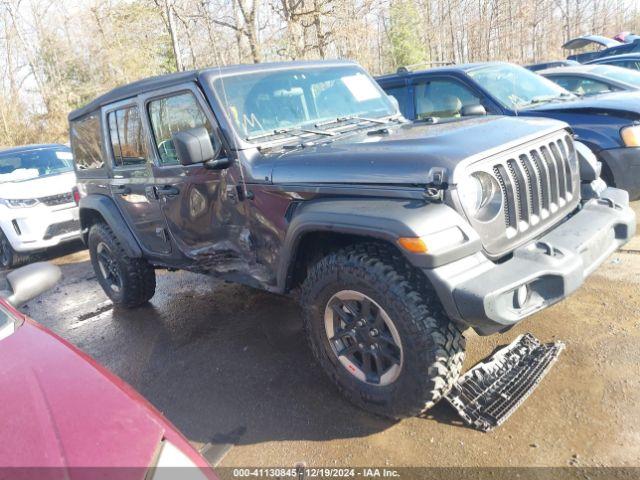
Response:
column 202, row 206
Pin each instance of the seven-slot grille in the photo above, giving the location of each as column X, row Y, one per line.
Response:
column 55, row 200
column 536, row 183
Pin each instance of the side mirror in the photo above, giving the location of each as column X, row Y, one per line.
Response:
column 473, row 110
column 28, row 282
column 194, row 146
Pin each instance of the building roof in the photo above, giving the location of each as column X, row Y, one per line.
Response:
column 154, row 83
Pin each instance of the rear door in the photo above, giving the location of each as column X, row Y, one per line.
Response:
column 132, row 186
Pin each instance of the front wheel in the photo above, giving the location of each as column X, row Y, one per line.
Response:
column 379, row 332
column 128, row 282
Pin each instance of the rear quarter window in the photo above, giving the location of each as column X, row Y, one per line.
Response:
column 86, row 142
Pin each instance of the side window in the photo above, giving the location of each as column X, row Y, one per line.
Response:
column 127, row 137
column 583, row 86
column 620, row 63
column 173, row 114
column 86, row 142
column 633, row 64
column 568, row 83
column 442, row 98
column 401, row 94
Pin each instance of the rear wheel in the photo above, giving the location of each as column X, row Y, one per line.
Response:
column 9, row 258
column 379, row 332
column 128, row 282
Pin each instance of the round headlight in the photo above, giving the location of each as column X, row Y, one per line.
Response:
column 470, row 192
column 480, row 195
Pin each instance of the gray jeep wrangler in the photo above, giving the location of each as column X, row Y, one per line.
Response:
column 304, row 177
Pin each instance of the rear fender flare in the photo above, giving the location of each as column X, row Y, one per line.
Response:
column 108, row 210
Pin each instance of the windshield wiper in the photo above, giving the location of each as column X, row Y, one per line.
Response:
column 346, row 118
column 307, row 130
column 287, row 131
column 549, row 98
column 540, row 99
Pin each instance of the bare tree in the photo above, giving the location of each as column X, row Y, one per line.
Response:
column 56, row 55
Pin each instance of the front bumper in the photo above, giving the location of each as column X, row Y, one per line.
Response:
column 40, row 227
column 624, row 164
column 484, row 295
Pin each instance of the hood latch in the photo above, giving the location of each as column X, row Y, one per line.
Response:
column 436, row 183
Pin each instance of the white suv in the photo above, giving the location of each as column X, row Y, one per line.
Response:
column 37, row 205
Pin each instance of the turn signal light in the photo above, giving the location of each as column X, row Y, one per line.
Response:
column 631, row 136
column 413, row 244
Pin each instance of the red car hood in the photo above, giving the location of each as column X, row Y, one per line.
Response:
column 61, row 409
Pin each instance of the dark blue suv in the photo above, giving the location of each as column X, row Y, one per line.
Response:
column 609, row 124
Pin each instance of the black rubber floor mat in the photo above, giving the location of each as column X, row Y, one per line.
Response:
column 492, row 390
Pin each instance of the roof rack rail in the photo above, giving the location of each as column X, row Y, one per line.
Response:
column 408, row 68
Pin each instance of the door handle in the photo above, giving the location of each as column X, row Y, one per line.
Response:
column 167, row 191
column 121, row 189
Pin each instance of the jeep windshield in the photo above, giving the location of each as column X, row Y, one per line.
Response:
column 516, row 87
column 29, row 164
column 298, row 102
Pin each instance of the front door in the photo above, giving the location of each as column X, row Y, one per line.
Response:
column 442, row 98
column 132, row 186
column 201, row 206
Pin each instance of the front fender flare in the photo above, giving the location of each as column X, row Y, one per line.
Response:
column 380, row 219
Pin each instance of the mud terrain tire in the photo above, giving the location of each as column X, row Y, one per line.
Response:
column 128, row 282
column 432, row 346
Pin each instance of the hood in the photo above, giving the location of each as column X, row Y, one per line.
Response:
column 38, row 187
column 581, row 42
column 408, row 153
column 624, row 104
column 59, row 410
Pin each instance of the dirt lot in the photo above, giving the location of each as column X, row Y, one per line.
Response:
column 229, row 366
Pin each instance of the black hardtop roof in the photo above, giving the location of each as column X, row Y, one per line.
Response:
column 28, row 148
column 153, row 83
